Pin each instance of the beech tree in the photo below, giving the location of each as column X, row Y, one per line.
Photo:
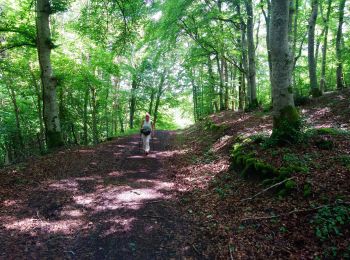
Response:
column 285, row 117
column 48, row 80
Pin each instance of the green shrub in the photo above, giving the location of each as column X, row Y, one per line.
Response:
column 329, row 221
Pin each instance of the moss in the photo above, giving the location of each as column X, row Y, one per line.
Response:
column 286, row 126
column 289, row 185
column 54, row 139
column 307, row 189
column 316, row 92
column 325, row 144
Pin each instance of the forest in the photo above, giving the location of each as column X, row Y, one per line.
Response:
column 250, row 156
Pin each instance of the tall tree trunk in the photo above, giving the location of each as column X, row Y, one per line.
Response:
column 339, row 47
column 133, row 101
column 38, row 93
column 18, row 140
column 311, row 50
column 49, row 82
column 211, row 86
column 194, row 96
column 251, row 74
column 85, row 117
column 324, row 48
column 106, row 114
column 243, row 42
column 159, row 94
column 153, row 94
column 295, row 38
column 285, row 116
column 241, row 86
column 94, row 114
column 227, row 95
column 267, row 16
column 221, row 88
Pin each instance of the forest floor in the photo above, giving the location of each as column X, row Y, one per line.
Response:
column 182, row 201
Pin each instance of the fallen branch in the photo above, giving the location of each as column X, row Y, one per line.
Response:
column 148, row 216
column 196, row 250
column 230, row 250
column 275, row 185
column 296, row 211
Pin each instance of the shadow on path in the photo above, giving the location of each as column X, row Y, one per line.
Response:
column 112, row 203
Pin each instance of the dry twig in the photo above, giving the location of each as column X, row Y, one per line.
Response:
column 268, row 188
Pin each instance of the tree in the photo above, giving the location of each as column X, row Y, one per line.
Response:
column 48, row 80
column 324, row 47
column 251, row 56
column 285, row 116
column 311, row 50
column 339, row 47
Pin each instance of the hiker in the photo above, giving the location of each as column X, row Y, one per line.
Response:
column 146, row 131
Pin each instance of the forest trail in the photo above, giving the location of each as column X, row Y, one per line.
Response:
column 107, row 202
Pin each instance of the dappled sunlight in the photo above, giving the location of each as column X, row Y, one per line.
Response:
column 39, row 225
column 10, row 203
column 84, row 151
column 118, row 225
column 67, row 185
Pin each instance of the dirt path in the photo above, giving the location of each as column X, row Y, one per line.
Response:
column 109, row 202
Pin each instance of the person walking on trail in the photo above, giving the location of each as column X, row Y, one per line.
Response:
column 146, row 131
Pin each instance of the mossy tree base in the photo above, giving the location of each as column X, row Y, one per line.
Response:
column 286, row 126
column 316, row 92
column 54, row 139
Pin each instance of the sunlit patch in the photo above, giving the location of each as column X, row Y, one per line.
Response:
column 69, row 185
column 84, row 200
column 119, row 225
column 149, row 228
column 221, row 143
column 115, row 174
column 9, row 203
column 72, row 213
column 90, row 178
column 85, row 151
column 61, row 226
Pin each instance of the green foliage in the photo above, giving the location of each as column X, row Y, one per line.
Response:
column 343, row 160
column 324, row 144
column 330, row 220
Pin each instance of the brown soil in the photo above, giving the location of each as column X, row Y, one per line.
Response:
column 107, row 202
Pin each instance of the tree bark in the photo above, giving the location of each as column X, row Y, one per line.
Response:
column 94, row 114
column 85, row 117
column 211, row 86
column 49, row 82
column 251, row 73
column 18, row 140
column 311, row 50
column 339, row 47
column 285, row 116
column 267, row 16
column 133, row 101
column 159, row 94
column 221, row 88
column 295, row 38
column 324, row 48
